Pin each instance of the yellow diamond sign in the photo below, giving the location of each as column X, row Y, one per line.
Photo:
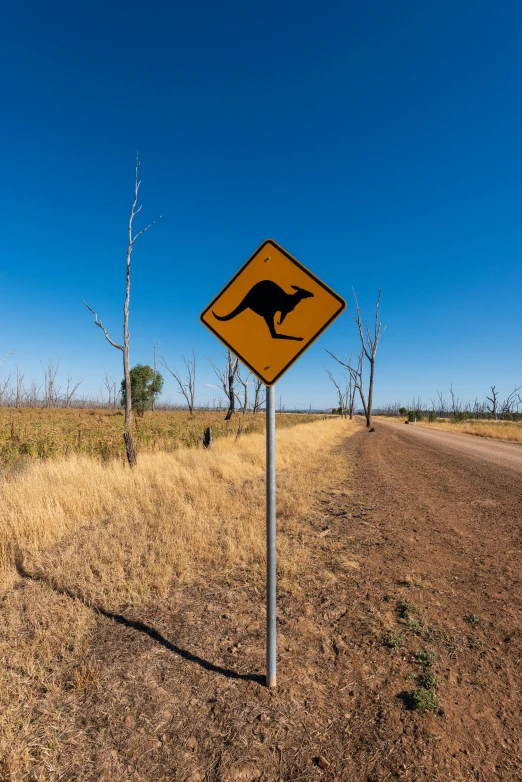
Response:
column 271, row 311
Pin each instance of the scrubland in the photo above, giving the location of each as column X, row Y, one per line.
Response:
column 79, row 536
column 124, row 534
column 36, row 433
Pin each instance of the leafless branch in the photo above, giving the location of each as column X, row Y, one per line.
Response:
column 258, row 398
column 244, row 383
column 102, row 327
column 227, row 378
column 6, row 356
column 187, row 387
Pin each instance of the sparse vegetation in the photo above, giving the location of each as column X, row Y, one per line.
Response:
column 425, row 657
column 30, row 434
column 508, row 430
column 408, row 610
column 421, row 699
column 428, row 681
column 391, row 640
column 178, row 513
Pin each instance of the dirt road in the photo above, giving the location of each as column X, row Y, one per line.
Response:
column 468, row 446
column 415, row 579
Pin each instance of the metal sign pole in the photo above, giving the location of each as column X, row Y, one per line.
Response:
column 270, row 538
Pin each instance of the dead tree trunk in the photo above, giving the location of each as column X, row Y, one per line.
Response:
column 356, row 380
column 369, row 344
column 156, row 351
column 244, row 383
column 227, row 379
column 127, row 434
column 258, row 399
column 187, row 388
column 340, row 396
column 206, row 440
column 233, row 366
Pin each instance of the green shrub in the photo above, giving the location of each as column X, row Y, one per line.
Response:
column 422, row 699
column 405, row 610
column 425, row 657
column 428, row 681
column 391, row 640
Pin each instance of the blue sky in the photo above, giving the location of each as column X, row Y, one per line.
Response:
column 379, row 143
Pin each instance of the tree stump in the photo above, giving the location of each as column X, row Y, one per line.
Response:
column 239, row 432
column 129, row 448
column 206, row 440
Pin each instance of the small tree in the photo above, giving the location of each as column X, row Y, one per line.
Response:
column 145, row 385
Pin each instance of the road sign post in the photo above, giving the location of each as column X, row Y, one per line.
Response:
column 243, row 317
column 271, row 664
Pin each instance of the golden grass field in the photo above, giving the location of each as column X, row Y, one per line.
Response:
column 128, row 533
column 34, row 433
column 509, row 431
column 112, row 537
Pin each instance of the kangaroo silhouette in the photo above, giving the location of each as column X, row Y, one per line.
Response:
column 266, row 298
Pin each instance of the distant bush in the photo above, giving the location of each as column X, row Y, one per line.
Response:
column 415, row 415
column 432, row 418
column 403, row 410
column 462, row 417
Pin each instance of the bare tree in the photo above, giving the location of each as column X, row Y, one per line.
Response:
column 71, row 389
column 227, row 379
column 127, row 434
column 50, row 371
column 111, row 386
column 356, row 375
column 244, row 382
column 508, row 405
column 258, row 398
column 493, row 409
column 187, row 386
column 20, row 391
column 340, row 393
column 349, row 396
column 4, row 388
column 156, row 352
column 369, row 344
column 4, row 384
column 456, row 402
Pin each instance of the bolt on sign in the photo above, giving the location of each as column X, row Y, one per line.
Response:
column 271, row 311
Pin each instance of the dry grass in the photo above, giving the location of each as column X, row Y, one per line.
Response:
column 29, row 434
column 509, row 431
column 125, row 535
column 111, row 538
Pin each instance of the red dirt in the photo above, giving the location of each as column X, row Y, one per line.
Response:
column 178, row 697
